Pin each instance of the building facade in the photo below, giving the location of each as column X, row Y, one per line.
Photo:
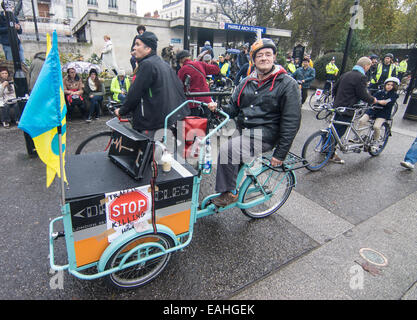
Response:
column 62, row 15
column 206, row 10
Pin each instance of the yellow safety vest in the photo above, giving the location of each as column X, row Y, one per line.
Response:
column 379, row 73
column 331, row 68
column 291, row 67
column 403, row 66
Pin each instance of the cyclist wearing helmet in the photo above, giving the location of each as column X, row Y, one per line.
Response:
column 266, row 105
column 385, row 70
column 386, row 99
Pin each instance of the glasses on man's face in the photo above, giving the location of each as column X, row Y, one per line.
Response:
column 266, row 55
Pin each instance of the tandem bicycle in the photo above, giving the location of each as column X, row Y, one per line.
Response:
column 125, row 227
column 321, row 145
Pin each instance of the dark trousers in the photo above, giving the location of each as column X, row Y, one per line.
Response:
column 95, row 104
column 304, row 94
column 5, row 112
column 79, row 105
column 239, row 149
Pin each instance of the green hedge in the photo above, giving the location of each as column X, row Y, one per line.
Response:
column 320, row 64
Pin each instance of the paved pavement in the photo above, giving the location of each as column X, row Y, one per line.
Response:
column 374, row 259
column 310, row 249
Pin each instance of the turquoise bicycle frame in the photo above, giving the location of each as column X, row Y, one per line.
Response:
column 180, row 241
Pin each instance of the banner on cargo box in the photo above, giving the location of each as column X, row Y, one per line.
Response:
column 126, row 208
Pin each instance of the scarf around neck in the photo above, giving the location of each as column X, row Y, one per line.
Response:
column 359, row 68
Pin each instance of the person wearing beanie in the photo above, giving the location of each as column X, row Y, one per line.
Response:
column 156, row 91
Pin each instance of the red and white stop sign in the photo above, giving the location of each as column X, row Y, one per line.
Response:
column 128, row 207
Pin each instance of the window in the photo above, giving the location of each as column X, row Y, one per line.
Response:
column 43, row 10
column 69, row 1
column 133, row 6
column 92, row 2
column 70, row 14
column 113, row 4
column 198, row 9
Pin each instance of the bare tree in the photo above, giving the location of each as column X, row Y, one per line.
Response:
column 238, row 11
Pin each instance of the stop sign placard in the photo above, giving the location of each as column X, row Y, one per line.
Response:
column 128, row 207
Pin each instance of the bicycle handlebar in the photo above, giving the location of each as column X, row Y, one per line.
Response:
column 112, row 105
column 207, row 94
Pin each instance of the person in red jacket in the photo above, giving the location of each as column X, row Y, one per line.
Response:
column 197, row 71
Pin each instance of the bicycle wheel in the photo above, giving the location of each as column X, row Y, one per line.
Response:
column 318, row 149
column 96, row 143
column 142, row 273
column 312, row 101
column 277, row 184
column 378, row 146
column 317, row 104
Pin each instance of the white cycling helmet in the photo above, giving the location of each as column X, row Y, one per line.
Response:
column 393, row 79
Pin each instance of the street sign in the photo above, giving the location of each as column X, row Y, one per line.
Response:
column 241, row 27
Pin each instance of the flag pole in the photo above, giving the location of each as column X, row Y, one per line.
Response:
column 61, row 163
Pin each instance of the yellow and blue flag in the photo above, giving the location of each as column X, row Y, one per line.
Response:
column 45, row 111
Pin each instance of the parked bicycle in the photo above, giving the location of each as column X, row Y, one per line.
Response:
column 321, row 145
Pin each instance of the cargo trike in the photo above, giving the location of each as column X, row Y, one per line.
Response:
column 126, row 212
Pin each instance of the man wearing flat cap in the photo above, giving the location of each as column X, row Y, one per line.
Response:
column 156, row 90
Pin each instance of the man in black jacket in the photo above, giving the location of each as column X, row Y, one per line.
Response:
column 156, row 91
column 348, row 91
column 268, row 110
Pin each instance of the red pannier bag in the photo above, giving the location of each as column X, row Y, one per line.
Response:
column 193, row 127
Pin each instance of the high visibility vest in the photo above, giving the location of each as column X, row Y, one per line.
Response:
column 331, row 68
column 115, row 87
column 225, row 69
column 403, row 66
column 379, row 73
column 291, row 67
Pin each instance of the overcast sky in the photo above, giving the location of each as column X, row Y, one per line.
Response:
column 148, row 6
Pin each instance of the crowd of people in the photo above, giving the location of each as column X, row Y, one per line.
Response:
column 160, row 83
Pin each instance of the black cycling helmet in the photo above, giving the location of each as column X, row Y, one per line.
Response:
column 261, row 44
column 374, row 56
column 183, row 54
column 389, row 55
